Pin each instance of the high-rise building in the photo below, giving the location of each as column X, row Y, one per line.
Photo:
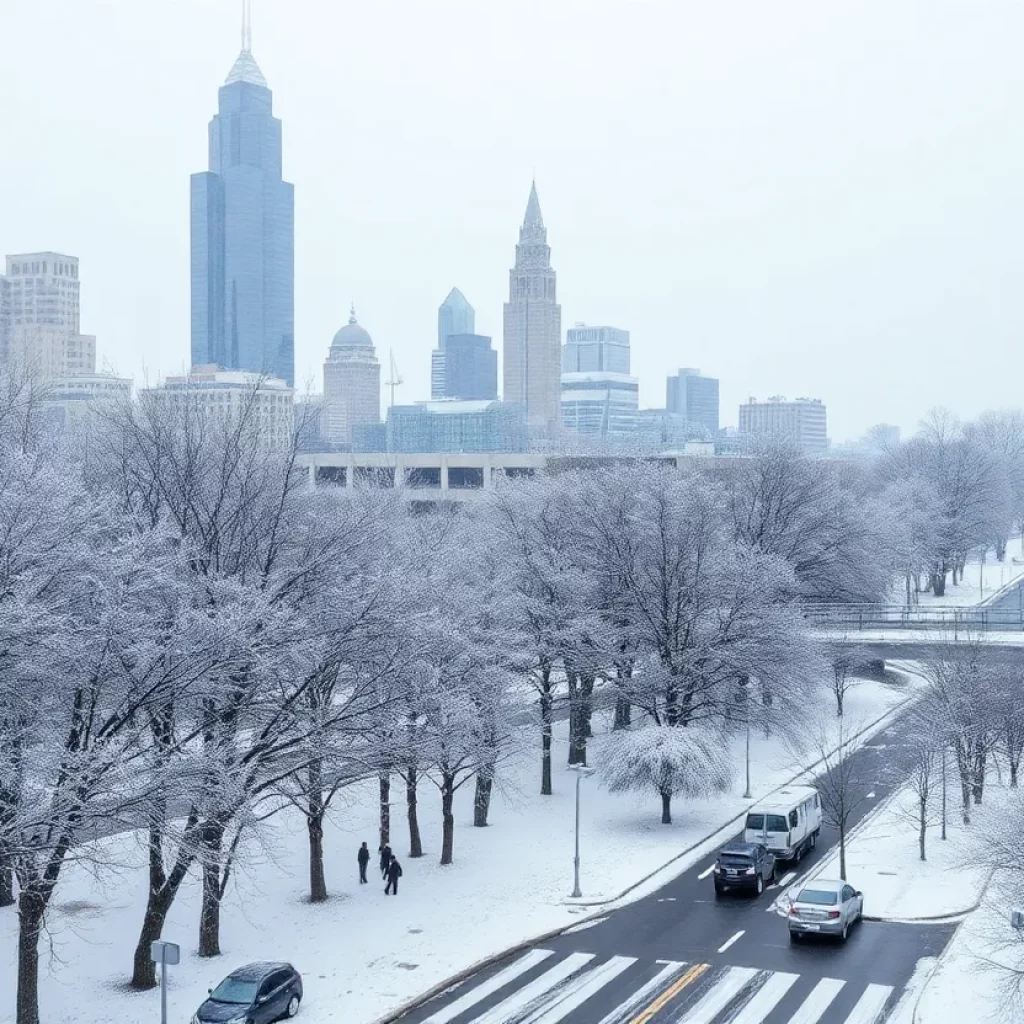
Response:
column 802, row 420
column 461, row 373
column 533, row 327
column 601, row 405
column 222, row 395
column 39, row 316
column 243, row 234
column 589, row 349
column 351, row 384
column 694, row 397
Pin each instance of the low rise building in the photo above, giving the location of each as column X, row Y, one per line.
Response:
column 802, row 420
column 601, row 405
column 456, row 426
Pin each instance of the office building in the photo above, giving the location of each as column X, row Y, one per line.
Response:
column 533, row 328
column 351, row 384
column 243, row 235
column 595, row 349
column 694, row 397
column 454, row 316
column 39, row 316
column 69, row 402
column 601, row 405
column 455, row 426
column 470, row 369
column 802, row 420
column 220, row 396
column 660, row 430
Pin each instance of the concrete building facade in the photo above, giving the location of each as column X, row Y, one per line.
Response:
column 40, row 324
column 533, row 328
column 601, row 405
column 694, row 397
column 802, row 420
column 351, row 384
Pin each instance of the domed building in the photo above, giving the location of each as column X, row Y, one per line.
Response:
column 351, row 383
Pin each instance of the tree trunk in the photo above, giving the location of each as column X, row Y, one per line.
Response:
column 842, row 852
column 922, row 824
column 978, row 779
column 385, row 809
column 1001, row 548
column 411, row 784
column 623, row 714
column 482, row 798
column 317, row 877
column 6, row 882
column 577, row 720
column 965, row 792
column 939, row 584
column 587, row 707
column 143, row 968
column 545, row 739
column 1014, row 765
column 31, row 905
column 666, row 807
column 447, row 821
column 209, row 914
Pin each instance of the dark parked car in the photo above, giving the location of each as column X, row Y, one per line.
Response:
column 749, row 866
column 254, row 994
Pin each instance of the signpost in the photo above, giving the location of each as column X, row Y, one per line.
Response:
column 166, row 954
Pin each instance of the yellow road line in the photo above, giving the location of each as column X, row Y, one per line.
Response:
column 670, row 993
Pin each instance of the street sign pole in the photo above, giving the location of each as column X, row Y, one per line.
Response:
column 166, row 954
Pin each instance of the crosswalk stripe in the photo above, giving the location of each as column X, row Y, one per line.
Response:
column 870, row 1005
column 768, row 996
column 813, row 1008
column 579, row 990
column 733, row 982
column 511, row 1010
column 624, row 1011
column 493, row 984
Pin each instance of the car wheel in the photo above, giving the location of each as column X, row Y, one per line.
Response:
column 718, row 891
column 794, row 936
column 772, row 876
column 293, row 1006
column 814, row 840
column 760, row 884
column 846, row 930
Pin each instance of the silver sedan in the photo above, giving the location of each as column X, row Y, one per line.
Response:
column 825, row 907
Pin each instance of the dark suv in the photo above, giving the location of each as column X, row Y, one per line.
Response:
column 746, row 866
column 254, row 994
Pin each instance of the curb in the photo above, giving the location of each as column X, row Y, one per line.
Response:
column 488, row 961
column 949, row 945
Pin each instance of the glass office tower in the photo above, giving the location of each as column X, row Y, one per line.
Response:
column 243, row 236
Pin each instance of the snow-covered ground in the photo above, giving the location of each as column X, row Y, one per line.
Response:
column 363, row 953
column 969, row 983
column 980, row 581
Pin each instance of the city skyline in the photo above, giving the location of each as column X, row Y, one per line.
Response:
column 762, row 245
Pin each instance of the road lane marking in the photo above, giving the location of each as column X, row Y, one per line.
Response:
column 578, row 991
column 584, row 926
column 704, row 874
column 870, row 1005
column 736, row 979
column 813, row 1008
column 497, row 981
column 786, row 879
column 670, row 993
column 530, row 995
column 624, row 1011
column 722, row 949
column 768, row 996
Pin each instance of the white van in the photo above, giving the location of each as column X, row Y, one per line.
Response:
column 787, row 822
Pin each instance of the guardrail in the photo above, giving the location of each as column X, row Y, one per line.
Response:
column 942, row 618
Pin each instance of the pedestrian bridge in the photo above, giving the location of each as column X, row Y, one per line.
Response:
column 889, row 631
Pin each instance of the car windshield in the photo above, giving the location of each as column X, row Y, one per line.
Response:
column 735, row 860
column 776, row 823
column 234, row 990
column 820, row 896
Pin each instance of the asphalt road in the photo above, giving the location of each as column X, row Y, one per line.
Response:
column 679, row 956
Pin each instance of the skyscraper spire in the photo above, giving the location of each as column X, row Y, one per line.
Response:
column 246, row 26
column 245, row 68
column 533, row 218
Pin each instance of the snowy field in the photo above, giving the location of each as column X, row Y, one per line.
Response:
column 363, row 953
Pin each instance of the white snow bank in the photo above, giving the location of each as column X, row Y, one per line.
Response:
column 363, row 952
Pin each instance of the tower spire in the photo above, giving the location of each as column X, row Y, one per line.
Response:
column 533, row 218
column 247, row 26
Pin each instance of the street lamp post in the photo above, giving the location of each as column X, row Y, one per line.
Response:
column 581, row 771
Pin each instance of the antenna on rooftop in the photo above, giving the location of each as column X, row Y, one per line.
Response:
column 394, row 378
column 247, row 26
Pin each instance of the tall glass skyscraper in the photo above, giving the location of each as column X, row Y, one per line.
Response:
column 243, row 235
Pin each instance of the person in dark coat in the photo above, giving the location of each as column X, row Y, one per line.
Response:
column 364, row 858
column 394, row 874
column 385, row 859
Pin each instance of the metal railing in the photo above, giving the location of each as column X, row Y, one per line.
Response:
column 936, row 618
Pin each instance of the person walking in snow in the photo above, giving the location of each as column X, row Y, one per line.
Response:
column 385, row 859
column 394, row 874
column 364, row 858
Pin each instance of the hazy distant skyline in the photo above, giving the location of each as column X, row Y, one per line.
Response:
column 798, row 198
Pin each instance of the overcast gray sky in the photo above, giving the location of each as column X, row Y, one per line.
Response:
column 801, row 197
